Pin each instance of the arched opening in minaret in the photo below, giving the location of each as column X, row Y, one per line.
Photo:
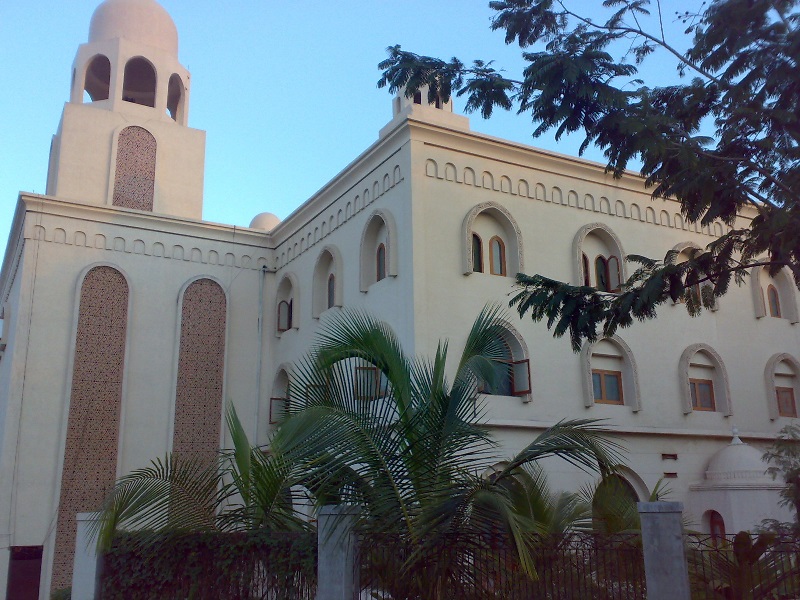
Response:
column 139, row 85
column 175, row 98
column 97, row 80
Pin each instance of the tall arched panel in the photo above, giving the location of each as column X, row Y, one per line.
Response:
column 201, row 366
column 90, row 454
column 135, row 176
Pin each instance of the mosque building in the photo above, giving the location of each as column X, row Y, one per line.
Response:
column 128, row 321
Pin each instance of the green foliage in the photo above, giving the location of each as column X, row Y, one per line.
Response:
column 784, row 462
column 581, row 77
column 245, row 489
column 255, row 564
column 408, row 446
column 744, row 569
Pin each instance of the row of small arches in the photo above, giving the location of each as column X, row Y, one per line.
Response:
column 571, row 198
column 156, row 249
column 296, row 245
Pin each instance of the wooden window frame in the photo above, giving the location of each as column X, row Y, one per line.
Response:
column 502, row 246
column 716, row 528
column 617, row 269
column 477, row 267
column 781, row 412
column 331, row 291
column 288, row 304
column 601, row 271
column 514, row 390
column 773, row 291
column 376, row 386
column 603, row 399
column 380, row 262
column 587, row 275
column 274, row 419
column 695, row 396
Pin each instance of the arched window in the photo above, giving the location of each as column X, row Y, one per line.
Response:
column 601, row 274
column 782, row 374
column 492, row 222
column 477, row 253
column 284, row 315
column 139, row 84
column 331, row 290
column 610, row 375
column 606, row 272
column 280, row 398
column 716, row 527
column 497, row 256
column 378, row 249
column 326, row 287
column 513, row 371
column 380, row 262
column 704, row 381
column 98, row 78
column 286, row 307
column 175, row 101
column 587, row 279
column 774, row 295
column 774, row 301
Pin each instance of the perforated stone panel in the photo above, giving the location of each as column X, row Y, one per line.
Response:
column 201, row 364
column 134, row 180
column 90, row 454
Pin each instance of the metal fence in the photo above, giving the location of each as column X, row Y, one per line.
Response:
column 212, row 566
column 579, row 566
column 743, row 567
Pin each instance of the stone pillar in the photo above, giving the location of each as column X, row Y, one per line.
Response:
column 84, row 570
column 665, row 564
column 337, row 576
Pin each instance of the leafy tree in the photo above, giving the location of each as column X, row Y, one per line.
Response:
column 783, row 457
column 370, row 426
column 741, row 82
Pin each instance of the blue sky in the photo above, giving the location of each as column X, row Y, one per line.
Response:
column 286, row 91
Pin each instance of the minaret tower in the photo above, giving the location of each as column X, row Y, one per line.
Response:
column 124, row 139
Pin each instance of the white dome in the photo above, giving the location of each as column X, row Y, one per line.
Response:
column 266, row 221
column 738, row 461
column 141, row 21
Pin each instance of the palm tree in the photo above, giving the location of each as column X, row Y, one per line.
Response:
column 245, row 489
column 371, row 426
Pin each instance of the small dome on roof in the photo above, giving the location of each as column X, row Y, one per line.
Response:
column 141, row 21
column 738, row 461
column 266, row 221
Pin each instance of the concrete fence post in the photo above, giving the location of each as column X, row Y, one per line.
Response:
column 84, row 567
column 665, row 566
column 337, row 553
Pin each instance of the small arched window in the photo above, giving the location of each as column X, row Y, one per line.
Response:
column 380, row 260
column 585, row 267
column 139, row 84
column 513, row 374
column 477, row 253
column 614, row 278
column 716, row 527
column 175, row 93
column 601, row 274
column 284, row 315
column 774, row 301
column 98, row 79
column 331, row 290
column 497, row 256
column 417, row 97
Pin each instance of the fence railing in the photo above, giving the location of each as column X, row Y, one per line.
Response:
column 743, row 567
column 577, row 566
column 212, row 566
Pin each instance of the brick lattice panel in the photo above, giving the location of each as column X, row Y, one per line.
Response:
column 90, row 454
column 201, row 364
column 134, row 181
